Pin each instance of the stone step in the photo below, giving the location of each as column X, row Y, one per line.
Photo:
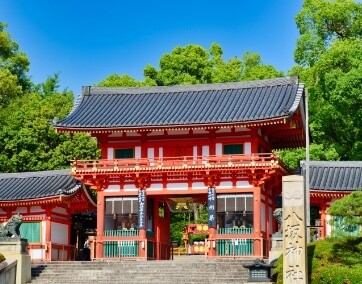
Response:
column 178, row 271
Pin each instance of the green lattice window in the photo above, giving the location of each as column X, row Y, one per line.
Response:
column 230, row 149
column 124, row 153
column 31, row 231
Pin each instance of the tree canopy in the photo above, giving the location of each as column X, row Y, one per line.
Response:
column 329, row 55
column 193, row 64
column 321, row 22
column 14, row 65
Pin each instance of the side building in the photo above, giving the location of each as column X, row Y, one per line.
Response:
column 46, row 200
column 330, row 181
column 167, row 148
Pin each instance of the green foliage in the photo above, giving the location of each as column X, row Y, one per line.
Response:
column 347, row 212
column 292, row 157
column 115, row 80
column 13, row 67
column 330, row 261
column 194, row 64
column 29, row 143
column 320, row 22
column 329, row 49
column 337, row 88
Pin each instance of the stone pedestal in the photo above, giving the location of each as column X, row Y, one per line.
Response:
column 277, row 248
column 13, row 248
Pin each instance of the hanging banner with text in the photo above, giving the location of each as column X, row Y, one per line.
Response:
column 141, row 209
column 211, row 203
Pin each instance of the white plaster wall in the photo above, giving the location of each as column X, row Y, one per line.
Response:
column 247, row 148
column 194, row 151
column 37, row 254
column 218, row 150
column 271, row 220
column 160, row 152
column 112, row 188
column 129, row 187
column 198, row 185
column 155, row 186
column 137, row 153
column 110, row 153
column 36, row 209
column 205, row 150
column 263, row 219
column 177, row 186
column 151, row 155
column 243, row 184
column 60, row 210
column 225, row 185
column 59, row 233
column 43, row 231
column 20, row 210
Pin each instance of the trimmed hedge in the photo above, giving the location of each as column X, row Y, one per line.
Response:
column 331, row 261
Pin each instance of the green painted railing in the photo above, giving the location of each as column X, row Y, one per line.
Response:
column 121, row 233
column 235, row 247
column 121, row 249
column 226, row 231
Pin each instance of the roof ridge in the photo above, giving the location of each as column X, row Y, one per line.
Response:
column 35, row 174
column 292, row 80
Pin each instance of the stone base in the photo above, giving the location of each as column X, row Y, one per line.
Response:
column 18, row 249
column 277, row 248
column 259, row 282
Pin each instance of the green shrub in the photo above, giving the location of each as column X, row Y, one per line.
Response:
column 2, row 258
column 331, row 261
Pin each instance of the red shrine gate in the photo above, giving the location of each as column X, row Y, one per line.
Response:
column 167, row 146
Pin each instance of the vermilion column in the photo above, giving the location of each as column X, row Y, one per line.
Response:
column 257, row 222
column 142, row 219
column 212, row 223
column 48, row 236
column 100, row 223
column 322, row 212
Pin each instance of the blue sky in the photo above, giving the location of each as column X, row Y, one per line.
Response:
column 88, row 40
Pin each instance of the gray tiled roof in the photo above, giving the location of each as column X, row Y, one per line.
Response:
column 335, row 176
column 36, row 185
column 221, row 103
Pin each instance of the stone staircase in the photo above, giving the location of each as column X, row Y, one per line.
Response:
column 185, row 269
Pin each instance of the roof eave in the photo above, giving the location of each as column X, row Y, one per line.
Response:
column 261, row 122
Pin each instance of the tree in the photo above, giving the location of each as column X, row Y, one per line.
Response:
column 14, row 65
column 329, row 50
column 317, row 153
column 115, row 80
column 320, row 22
column 194, row 64
column 255, row 69
column 347, row 212
column 29, row 143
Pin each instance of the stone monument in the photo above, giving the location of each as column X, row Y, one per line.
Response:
column 295, row 269
column 12, row 246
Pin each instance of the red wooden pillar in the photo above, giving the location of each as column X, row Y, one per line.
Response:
column 48, row 236
column 267, row 215
column 142, row 219
column 322, row 212
column 254, row 140
column 100, row 224
column 257, row 222
column 212, row 222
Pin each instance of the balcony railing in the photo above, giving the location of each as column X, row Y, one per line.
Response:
column 174, row 164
